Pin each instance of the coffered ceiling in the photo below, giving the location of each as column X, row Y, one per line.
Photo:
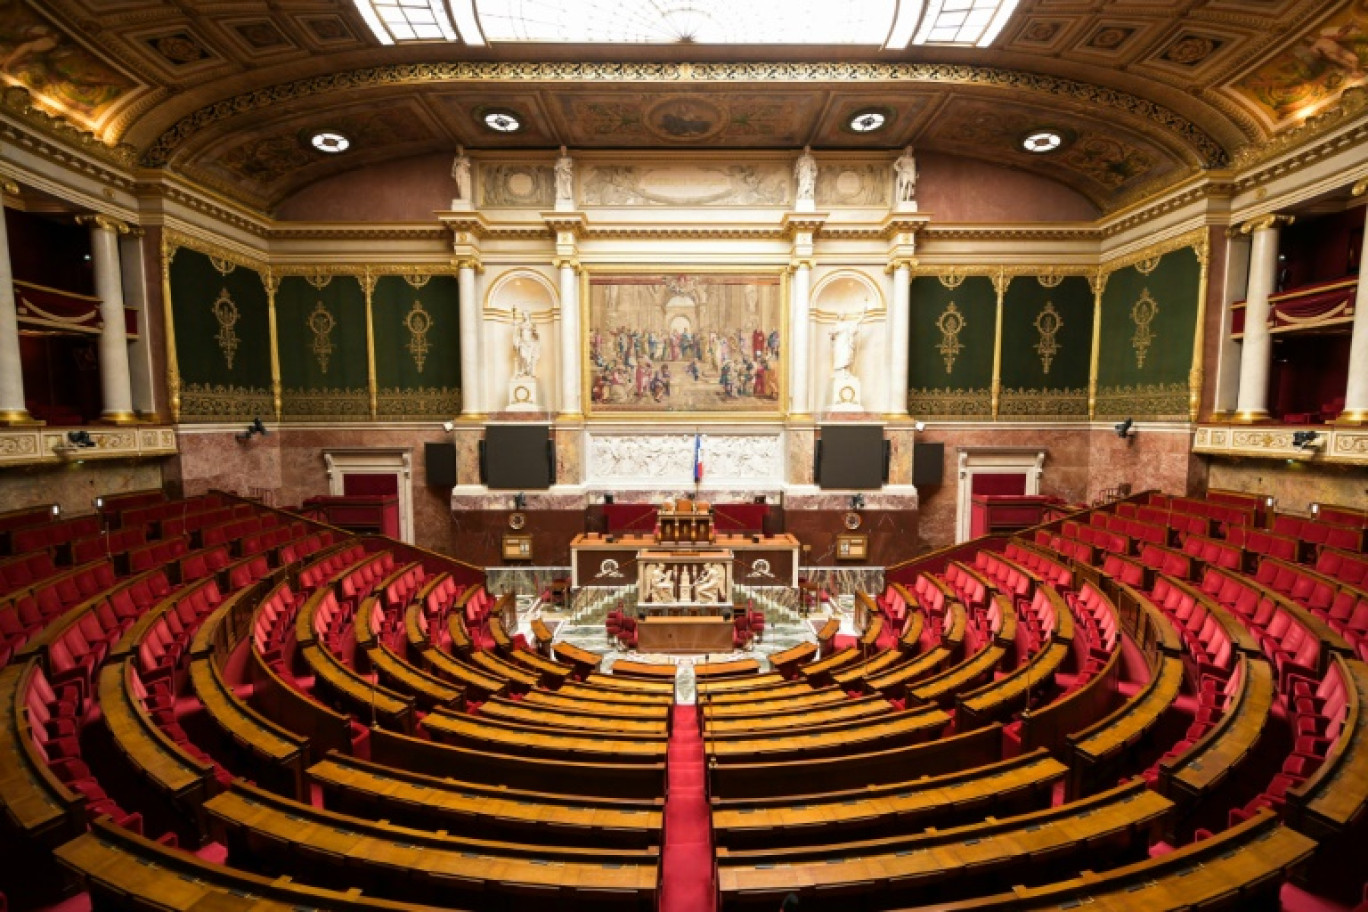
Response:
column 229, row 93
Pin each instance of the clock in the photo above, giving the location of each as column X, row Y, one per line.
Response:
column 517, row 520
column 852, row 520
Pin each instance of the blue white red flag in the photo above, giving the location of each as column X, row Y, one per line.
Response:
column 698, row 458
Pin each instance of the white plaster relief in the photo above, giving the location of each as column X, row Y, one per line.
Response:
column 668, row 459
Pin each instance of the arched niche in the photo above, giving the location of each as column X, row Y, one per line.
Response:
column 841, row 295
column 534, row 294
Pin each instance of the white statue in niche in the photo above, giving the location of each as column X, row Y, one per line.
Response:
column 660, row 584
column 460, row 174
column 805, row 174
column 905, row 180
column 843, row 344
column 565, row 180
column 526, row 345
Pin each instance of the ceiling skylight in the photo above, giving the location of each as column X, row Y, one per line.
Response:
column 889, row 24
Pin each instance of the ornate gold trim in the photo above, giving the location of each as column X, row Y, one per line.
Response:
column 368, row 280
column 950, row 402
column 226, row 312
column 418, row 322
column 950, row 323
column 1196, row 238
column 1048, row 323
column 173, row 384
column 1000, row 288
column 1143, row 312
column 104, row 223
column 321, row 323
column 1265, row 223
column 1098, row 281
column 1150, row 401
column 1196, row 377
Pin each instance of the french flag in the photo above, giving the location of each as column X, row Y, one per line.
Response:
column 698, row 458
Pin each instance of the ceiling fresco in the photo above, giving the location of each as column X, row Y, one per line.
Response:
column 228, row 92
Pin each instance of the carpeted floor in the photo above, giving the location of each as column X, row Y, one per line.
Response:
column 686, row 858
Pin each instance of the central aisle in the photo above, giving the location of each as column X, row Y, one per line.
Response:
column 686, row 859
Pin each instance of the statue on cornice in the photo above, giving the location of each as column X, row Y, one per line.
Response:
column 905, row 179
column 565, row 180
column 805, row 173
column 526, row 344
column 460, row 174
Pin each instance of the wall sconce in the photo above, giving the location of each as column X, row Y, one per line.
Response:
column 448, row 426
column 253, row 429
column 80, row 439
column 1126, row 429
column 1315, row 509
column 1306, row 440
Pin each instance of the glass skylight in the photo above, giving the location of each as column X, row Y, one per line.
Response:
column 879, row 23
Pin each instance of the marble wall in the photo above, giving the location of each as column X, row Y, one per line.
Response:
column 216, row 459
column 75, row 486
column 1294, row 484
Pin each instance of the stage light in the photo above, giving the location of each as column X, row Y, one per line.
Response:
column 253, row 429
column 1126, row 429
column 1306, row 440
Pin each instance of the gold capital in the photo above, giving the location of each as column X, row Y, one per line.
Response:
column 567, row 263
column 908, row 263
column 1360, row 187
column 9, row 186
column 801, row 263
column 469, row 263
column 1266, row 222
column 104, row 223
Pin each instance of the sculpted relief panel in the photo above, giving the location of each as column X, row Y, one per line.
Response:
column 766, row 184
column 517, row 186
column 667, row 460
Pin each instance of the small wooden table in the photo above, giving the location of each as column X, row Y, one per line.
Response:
column 684, row 635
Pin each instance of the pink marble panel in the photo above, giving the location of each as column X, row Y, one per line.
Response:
column 1294, row 484
column 409, row 190
column 74, row 486
column 960, row 189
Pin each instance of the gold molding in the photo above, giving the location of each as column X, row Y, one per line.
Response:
column 104, row 223
column 368, row 281
column 1000, row 287
column 1099, row 284
column 277, row 393
column 1197, row 377
column 1360, row 187
column 9, row 186
column 173, row 382
column 1265, row 223
column 1197, row 239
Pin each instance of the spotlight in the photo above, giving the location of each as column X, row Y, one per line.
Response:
column 919, row 426
column 1306, row 440
column 1126, row 429
column 857, row 502
column 80, row 439
column 253, row 429
column 448, row 426
column 519, row 500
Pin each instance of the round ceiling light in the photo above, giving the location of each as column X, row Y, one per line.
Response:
column 503, row 121
column 330, row 141
column 868, row 121
column 1042, row 141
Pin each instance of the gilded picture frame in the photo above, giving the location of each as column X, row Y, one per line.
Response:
column 685, row 343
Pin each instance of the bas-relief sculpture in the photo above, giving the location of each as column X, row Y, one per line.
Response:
column 668, row 459
column 852, row 185
column 695, row 343
column 516, row 186
column 739, row 184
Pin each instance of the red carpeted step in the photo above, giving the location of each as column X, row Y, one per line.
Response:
column 686, row 859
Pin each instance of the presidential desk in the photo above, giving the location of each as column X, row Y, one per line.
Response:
column 598, row 560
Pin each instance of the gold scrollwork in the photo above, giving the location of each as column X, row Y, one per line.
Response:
column 951, row 280
column 319, row 280
column 416, row 280
column 223, row 266
column 1050, row 279
column 1048, row 323
column 226, row 313
column 1143, row 313
column 321, row 323
column 951, row 323
column 1148, row 265
column 419, row 323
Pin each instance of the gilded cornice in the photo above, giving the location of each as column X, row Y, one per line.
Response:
column 1360, row 187
column 104, row 223
column 63, row 155
column 215, row 210
column 1265, row 223
column 17, row 101
column 1351, row 103
column 705, row 232
column 1014, row 233
column 171, row 239
column 1207, row 150
column 1211, row 189
column 1198, row 239
column 359, row 233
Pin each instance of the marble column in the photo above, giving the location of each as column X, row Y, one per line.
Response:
column 1356, row 391
column 899, row 331
column 800, row 382
column 472, row 398
column 568, row 270
column 1256, row 354
column 116, row 383
column 12, row 407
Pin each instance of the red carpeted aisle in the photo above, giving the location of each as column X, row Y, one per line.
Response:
column 686, row 859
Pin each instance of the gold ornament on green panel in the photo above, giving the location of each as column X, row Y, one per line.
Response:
column 226, row 313
column 1048, row 323
column 951, row 323
column 419, row 323
column 1143, row 313
column 321, row 324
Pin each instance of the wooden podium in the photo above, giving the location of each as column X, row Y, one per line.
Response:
column 684, row 522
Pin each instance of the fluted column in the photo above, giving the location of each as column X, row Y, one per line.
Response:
column 115, row 382
column 12, row 407
column 899, row 331
column 1256, row 354
column 800, row 385
column 1356, row 390
column 568, row 270
column 472, row 395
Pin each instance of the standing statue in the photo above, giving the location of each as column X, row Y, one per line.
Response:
column 460, row 173
column 805, row 173
column 905, row 177
column 843, row 344
column 565, row 180
column 526, row 344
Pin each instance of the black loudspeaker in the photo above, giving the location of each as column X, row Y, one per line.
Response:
column 887, row 459
column 817, row 459
column 484, row 469
column 441, row 465
column 928, row 463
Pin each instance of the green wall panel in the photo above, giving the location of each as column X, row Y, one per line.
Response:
column 417, row 347
column 1046, row 348
column 222, row 338
column 950, row 365
column 1149, row 315
column 321, row 324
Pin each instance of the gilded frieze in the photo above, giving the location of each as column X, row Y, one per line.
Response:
column 422, row 402
column 1019, row 404
column 972, row 403
column 1154, row 401
column 214, row 402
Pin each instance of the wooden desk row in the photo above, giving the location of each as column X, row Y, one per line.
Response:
column 951, row 863
column 372, row 791
column 272, row 834
column 1019, row 784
